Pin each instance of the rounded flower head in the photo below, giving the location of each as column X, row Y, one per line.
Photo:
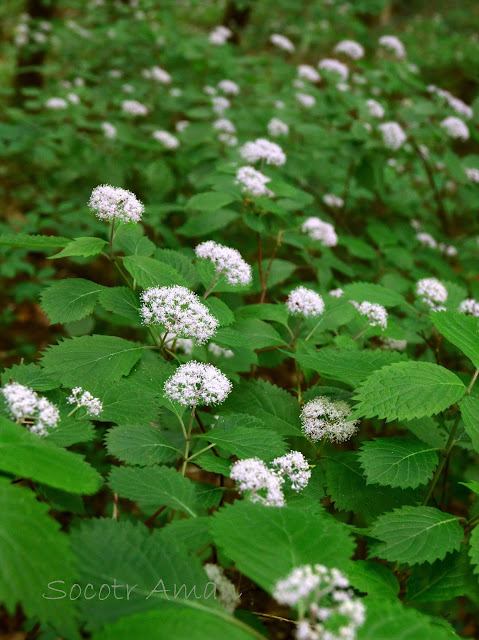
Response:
column 167, row 140
column 469, row 306
column 319, row 230
column 262, row 149
column 393, row 135
column 455, row 128
column 336, row 293
column 375, row 109
column 394, row 45
column 473, row 175
column 109, row 130
column 56, row 103
column 330, row 65
column 305, row 302
column 426, row 240
column 229, row 87
column 295, row 466
column 282, row 42
column 158, row 74
column 225, row 125
column 112, row 202
column 220, row 35
column 227, row 261
column 432, row 292
column 265, row 485
column 323, row 418
column 25, row 405
column 134, row 108
column 333, row 201
column 307, row 72
column 196, row 383
column 376, row 313
column 305, row 100
column 253, row 182
column 277, row 127
column 220, row 104
column 350, row 48
column 85, row 399
column 180, row 311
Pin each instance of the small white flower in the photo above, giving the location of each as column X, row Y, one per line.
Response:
column 196, row 383
column 470, row 306
column 56, row 103
column 426, row 240
column 109, row 130
column 229, row 87
column 253, row 182
column 134, row 108
column 305, row 302
column 115, row 73
column 473, row 175
column 458, row 105
column 220, row 35
column 73, row 98
column 277, row 127
column 227, row 261
column 265, row 485
column 181, row 125
column 295, row 466
column 228, row 139
column 391, row 344
column 323, row 418
column 447, row 249
column 225, row 125
column 432, row 292
column 220, row 104
column 262, row 149
column 350, row 48
column 307, row 72
column 167, row 140
column 455, row 128
column 375, row 109
column 336, row 293
column 85, row 399
column 393, row 135
column 282, row 42
column 319, row 230
column 25, row 405
column 305, row 100
column 330, row 65
column 376, row 313
column 128, row 88
column 333, row 201
column 113, row 202
column 394, row 45
column 218, row 351
column 158, row 74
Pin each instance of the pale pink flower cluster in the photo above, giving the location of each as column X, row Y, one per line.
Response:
column 350, row 48
column 375, row 313
column 432, row 292
column 167, row 139
column 306, row 100
column 307, row 72
column 220, row 35
column 455, row 128
column 227, row 261
column 158, row 74
column 134, row 108
column 229, row 87
column 394, row 45
column 262, row 149
column 253, row 182
column 111, row 203
column 319, row 230
column 330, row 65
column 305, row 302
column 277, row 127
column 393, row 135
column 375, row 109
column 282, row 42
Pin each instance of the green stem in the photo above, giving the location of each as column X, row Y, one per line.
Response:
column 188, row 440
column 73, row 411
column 440, row 467
column 210, row 446
column 211, row 285
column 361, row 330
column 313, row 330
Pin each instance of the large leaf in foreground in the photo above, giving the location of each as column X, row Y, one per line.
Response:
column 71, row 299
column 461, row 330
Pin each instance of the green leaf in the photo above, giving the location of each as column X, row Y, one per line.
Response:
column 26, row 455
column 271, row 312
column 460, row 329
column 259, row 334
column 70, row 431
column 33, row 553
column 474, row 548
column 144, row 445
column 206, row 223
column 155, row 487
column 220, row 310
column 149, row 272
column 30, row 375
column 275, row 407
column 367, row 291
column 79, row 361
column 122, row 301
column 397, row 462
column 415, row 535
column 69, row 300
column 443, row 580
column 32, row 241
column 346, row 365
column 245, row 437
column 82, row 247
column 407, row 390
column 373, row 578
column 469, row 406
column 181, row 263
column 209, row 201
column 279, row 539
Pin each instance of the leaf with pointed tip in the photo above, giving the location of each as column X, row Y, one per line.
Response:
column 35, row 242
column 81, row 247
column 443, row 580
column 149, row 272
column 469, row 406
column 122, row 301
column 144, row 445
column 460, row 329
column 70, row 300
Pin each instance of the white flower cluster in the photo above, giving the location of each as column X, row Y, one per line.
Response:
column 394, row 45
column 473, row 175
column 455, row 128
column 432, row 292
column 181, row 125
column 391, row 344
column 25, row 405
column 229, row 597
column 427, row 240
column 333, row 201
column 180, row 311
column 305, row 302
column 220, row 104
column 229, row 87
column 262, row 149
column 470, row 306
column 458, row 105
column 109, row 130
column 253, row 182
column 336, row 293
column 319, row 230
column 350, row 48
column 376, row 313
column 218, row 351
column 326, row 603
column 266, row 484
column 282, row 42
column 197, row 383
column 220, row 35
column 277, row 127
column 158, row 74
column 393, row 135
column 323, row 418
column 330, row 65
column 134, row 108
column 375, row 109
column 307, row 72
column 227, row 261
column 167, row 140
column 85, row 399
column 113, row 202
column 227, row 131
column 56, row 104
column 306, row 100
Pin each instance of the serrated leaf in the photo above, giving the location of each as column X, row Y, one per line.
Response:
column 141, row 444
column 245, row 437
column 149, row 272
column 274, row 406
column 370, row 292
column 407, row 390
column 460, row 329
column 78, row 361
column 155, row 487
column 33, row 553
column 30, row 375
column 279, row 539
column 70, row 300
column 26, row 455
column 397, row 462
column 220, row 310
column 32, row 241
column 258, row 334
column 373, row 578
column 122, row 301
column 70, row 431
column 181, row 263
column 81, row 247
column 415, row 535
column 346, row 365
column 474, row 548
column 443, row 580
column 271, row 312
column 469, row 406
